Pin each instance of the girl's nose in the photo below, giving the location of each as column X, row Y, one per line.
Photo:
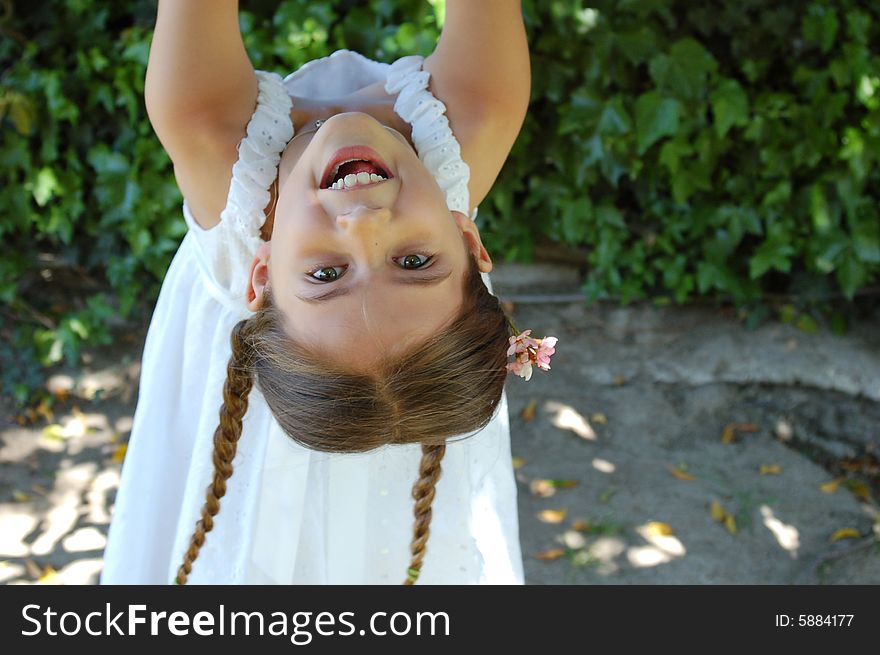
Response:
column 364, row 219
column 364, row 227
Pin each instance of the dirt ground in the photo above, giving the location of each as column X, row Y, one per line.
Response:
column 668, row 445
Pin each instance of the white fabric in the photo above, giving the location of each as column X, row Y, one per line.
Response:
column 290, row 514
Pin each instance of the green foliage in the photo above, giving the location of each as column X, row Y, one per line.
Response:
column 737, row 142
column 691, row 149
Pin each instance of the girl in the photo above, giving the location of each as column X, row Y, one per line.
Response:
column 331, row 232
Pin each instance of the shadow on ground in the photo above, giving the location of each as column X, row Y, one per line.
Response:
column 667, row 446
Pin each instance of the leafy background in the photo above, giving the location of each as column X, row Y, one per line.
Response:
column 722, row 151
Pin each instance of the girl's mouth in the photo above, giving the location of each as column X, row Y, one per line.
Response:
column 353, row 167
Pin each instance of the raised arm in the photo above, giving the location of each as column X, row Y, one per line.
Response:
column 199, row 74
column 481, row 70
column 200, row 92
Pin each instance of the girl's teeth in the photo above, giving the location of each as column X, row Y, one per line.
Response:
column 356, row 179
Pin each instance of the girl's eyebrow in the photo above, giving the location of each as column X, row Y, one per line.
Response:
column 429, row 279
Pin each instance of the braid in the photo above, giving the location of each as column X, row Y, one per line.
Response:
column 239, row 381
column 423, row 493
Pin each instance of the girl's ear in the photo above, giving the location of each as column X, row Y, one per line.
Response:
column 475, row 244
column 258, row 277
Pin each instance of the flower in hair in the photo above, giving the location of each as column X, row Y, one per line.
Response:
column 530, row 351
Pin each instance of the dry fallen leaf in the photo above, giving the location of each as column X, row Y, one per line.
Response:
column 518, row 462
column 831, row 486
column 580, row 525
column 619, row 380
column 845, row 533
column 769, row 469
column 681, row 475
column 54, row 432
column 730, row 524
column 550, row 555
column 728, row 435
column 573, row 539
column 552, row 515
column 721, row 515
column 599, row 418
column 866, row 465
column 542, row 488
column 44, row 410
column 48, row 576
column 40, row 489
column 20, row 496
column 658, row 529
column 858, row 488
column 528, row 413
column 119, row 453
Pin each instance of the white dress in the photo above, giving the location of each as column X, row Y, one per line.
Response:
column 290, row 514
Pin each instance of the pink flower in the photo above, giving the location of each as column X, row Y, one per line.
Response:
column 530, row 351
column 521, row 343
column 545, row 350
column 522, row 369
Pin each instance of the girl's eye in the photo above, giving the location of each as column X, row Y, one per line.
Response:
column 409, row 258
column 410, row 262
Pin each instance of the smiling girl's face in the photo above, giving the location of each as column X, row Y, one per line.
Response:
column 392, row 253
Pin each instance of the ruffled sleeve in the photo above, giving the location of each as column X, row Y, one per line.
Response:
column 432, row 136
column 226, row 250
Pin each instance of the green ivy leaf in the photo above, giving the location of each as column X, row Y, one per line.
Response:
column 684, row 72
column 730, row 106
column 580, row 113
column 576, row 215
column 672, row 152
column 615, row 119
column 866, row 240
column 807, row 323
column 610, row 215
column 819, row 26
column 773, row 253
column 819, row 209
column 21, row 111
column 656, row 117
column 638, row 44
column 46, row 186
column 838, row 323
column 851, row 274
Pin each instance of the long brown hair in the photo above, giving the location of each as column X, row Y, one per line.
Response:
column 449, row 385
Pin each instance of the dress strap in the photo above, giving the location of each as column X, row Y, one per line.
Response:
column 259, row 154
column 227, row 250
column 436, row 145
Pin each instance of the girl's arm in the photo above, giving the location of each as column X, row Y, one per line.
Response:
column 200, row 92
column 481, row 71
